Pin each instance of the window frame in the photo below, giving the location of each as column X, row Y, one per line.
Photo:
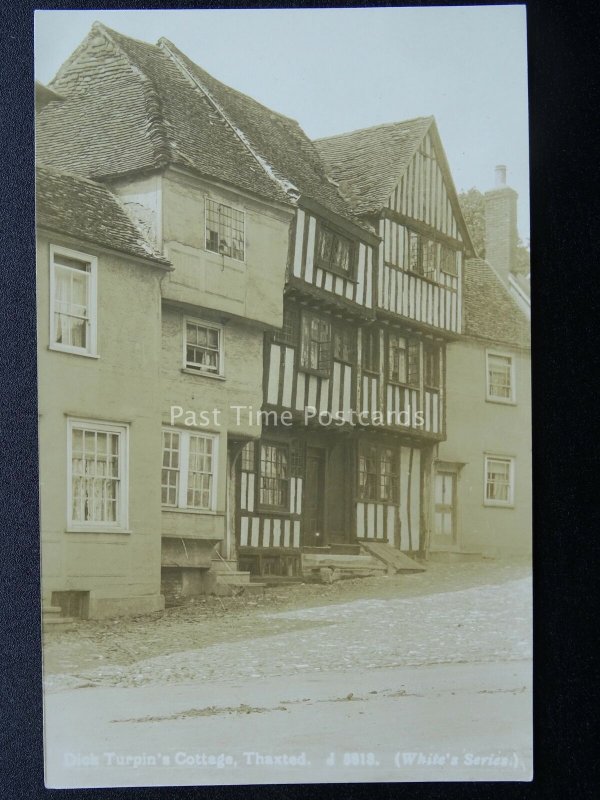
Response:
column 491, row 398
column 324, row 372
column 91, row 351
column 510, row 502
column 184, row 461
column 208, row 199
column 121, row 524
column 285, row 446
column 393, row 474
column 436, row 352
column 376, row 332
column 210, row 325
column 352, row 251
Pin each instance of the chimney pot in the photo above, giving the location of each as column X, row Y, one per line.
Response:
column 500, row 172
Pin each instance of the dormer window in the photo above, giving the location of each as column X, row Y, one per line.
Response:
column 225, row 230
column 334, row 252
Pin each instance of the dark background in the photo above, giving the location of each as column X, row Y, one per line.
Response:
column 563, row 84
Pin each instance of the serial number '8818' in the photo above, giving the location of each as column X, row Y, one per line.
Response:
column 360, row 760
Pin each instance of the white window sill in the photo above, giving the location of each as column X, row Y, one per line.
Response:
column 95, row 529
column 503, row 401
column 196, row 511
column 488, row 504
column 70, row 352
column 200, row 374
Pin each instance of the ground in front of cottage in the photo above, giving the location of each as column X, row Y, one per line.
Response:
column 403, row 678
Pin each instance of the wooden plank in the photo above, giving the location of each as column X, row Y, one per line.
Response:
column 404, row 498
column 251, row 491
column 310, row 250
column 244, row 531
column 298, row 243
column 360, row 286
column 390, row 526
column 274, row 365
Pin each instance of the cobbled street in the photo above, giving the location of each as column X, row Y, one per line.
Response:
column 316, row 664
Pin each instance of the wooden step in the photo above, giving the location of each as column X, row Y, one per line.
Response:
column 394, row 560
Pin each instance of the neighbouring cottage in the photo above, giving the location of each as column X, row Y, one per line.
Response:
column 482, row 496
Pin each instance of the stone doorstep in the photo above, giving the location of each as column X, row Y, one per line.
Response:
column 223, row 566
column 52, row 620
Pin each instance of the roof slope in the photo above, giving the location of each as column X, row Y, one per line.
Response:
column 490, row 312
column 368, row 163
column 88, row 211
column 134, row 106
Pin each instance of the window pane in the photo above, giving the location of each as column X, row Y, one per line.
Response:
column 499, row 376
column 203, row 346
column 224, row 230
column 274, row 475
column 95, row 475
column 71, row 291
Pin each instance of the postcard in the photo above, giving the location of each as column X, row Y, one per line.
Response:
column 284, row 395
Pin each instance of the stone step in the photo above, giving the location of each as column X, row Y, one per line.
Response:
column 234, row 578
column 340, row 561
column 221, row 565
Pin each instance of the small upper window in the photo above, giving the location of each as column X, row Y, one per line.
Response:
column 431, row 366
column 448, row 260
column 344, row 343
column 289, row 331
column 500, row 378
column 334, row 252
column 203, row 348
column 499, row 481
column 315, row 353
column 224, row 230
column 370, row 349
column 72, row 301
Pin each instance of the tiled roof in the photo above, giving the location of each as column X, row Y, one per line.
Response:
column 490, row 312
column 134, row 106
column 368, row 163
column 88, row 211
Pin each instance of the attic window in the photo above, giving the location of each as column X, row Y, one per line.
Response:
column 224, row 230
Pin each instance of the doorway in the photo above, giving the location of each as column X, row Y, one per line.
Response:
column 314, row 498
column 445, row 517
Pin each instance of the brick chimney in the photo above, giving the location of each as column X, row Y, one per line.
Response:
column 501, row 225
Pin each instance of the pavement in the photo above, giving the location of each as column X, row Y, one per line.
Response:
column 405, row 678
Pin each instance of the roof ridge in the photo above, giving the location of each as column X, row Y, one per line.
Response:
column 157, row 134
column 344, row 134
column 176, row 56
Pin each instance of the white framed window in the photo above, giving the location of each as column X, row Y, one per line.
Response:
column 189, row 470
column 225, row 230
column 499, row 480
column 97, row 475
column 500, row 377
column 203, row 350
column 73, row 301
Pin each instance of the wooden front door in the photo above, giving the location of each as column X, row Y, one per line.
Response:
column 314, row 498
column 444, row 522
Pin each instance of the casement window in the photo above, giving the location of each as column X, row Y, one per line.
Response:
column 315, row 355
column 203, row 347
column 499, row 481
column 448, row 260
column 97, row 475
column 189, row 470
column 500, row 377
column 403, row 360
column 370, row 349
column 289, row 331
column 73, row 289
column 429, row 258
column 397, row 358
column 334, row 252
column 377, row 474
column 274, row 475
column 248, row 458
column 344, row 343
column 225, row 230
column 431, row 366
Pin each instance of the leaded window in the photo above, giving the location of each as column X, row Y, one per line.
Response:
column 224, row 230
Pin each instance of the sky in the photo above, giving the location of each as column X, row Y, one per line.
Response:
column 337, row 70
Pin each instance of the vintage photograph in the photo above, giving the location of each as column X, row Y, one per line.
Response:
column 283, row 285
